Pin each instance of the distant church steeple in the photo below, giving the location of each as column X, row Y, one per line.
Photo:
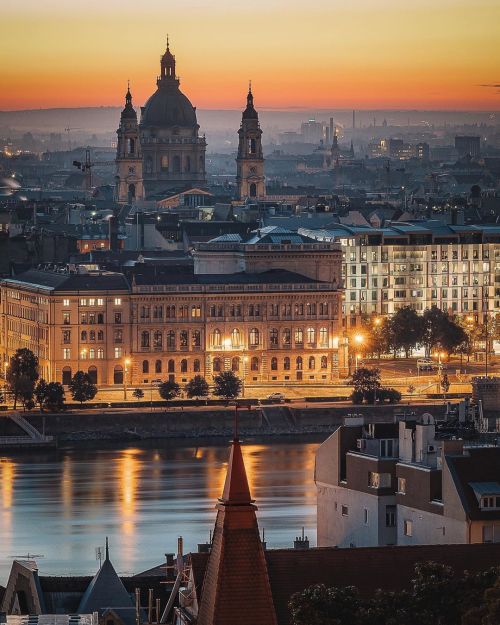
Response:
column 250, row 160
column 128, row 179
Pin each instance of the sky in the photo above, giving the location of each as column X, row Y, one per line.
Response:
column 363, row 54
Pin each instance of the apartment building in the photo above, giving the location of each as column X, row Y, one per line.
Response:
column 404, row 484
column 417, row 264
column 267, row 324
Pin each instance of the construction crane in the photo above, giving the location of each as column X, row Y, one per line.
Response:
column 28, row 556
column 86, row 167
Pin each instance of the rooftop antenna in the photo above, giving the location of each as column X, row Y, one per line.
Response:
column 28, row 556
column 99, row 552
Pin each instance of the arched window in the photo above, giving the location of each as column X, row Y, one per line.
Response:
column 196, row 366
column 100, row 335
column 184, row 338
column 217, row 365
column 298, row 363
column 163, row 162
column 254, row 364
column 311, row 336
column 92, row 335
column 171, row 366
column 216, row 338
column 131, row 192
column 253, row 190
column 323, row 308
column 312, row 362
column 323, row 336
column 92, row 353
column 145, row 366
column 83, row 336
column 286, row 337
column 196, row 338
column 158, row 366
column 118, row 375
column 100, row 353
column 177, row 164
column 324, row 362
column 235, row 364
column 254, row 336
column 274, row 364
column 273, row 337
column 145, row 339
column 157, row 339
column 299, row 336
column 184, row 365
column 187, row 166
column 235, row 338
column 100, row 318
column 66, row 375
column 286, row 363
column 93, row 374
column 171, row 339
column 170, row 312
column 310, row 309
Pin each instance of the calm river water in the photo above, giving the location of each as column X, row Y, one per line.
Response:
column 63, row 504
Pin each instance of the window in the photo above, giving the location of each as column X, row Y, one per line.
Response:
column 298, row 363
column 145, row 366
column 387, row 448
column 323, row 337
column 171, row 339
column 299, row 336
column 324, row 362
column 344, row 510
column 92, row 301
column 157, row 312
column 235, row 364
column 66, row 318
column 157, row 339
column 390, row 516
column 145, row 339
column 118, row 352
column 66, row 336
column 254, row 336
column 402, row 485
column 92, row 353
column 100, row 301
column 196, row 312
column 286, row 363
column 184, row 338
column 118, row 336
column 254, row 364
column 216, row 338
column 158, row 366
column 312, row 362
column 92, row 335
column 408, row 528
column 274, row 364
column 66, row 375
column 118, row 375
column 287, row 337
column 118, row 301
column 379, row 480
column 184, row 365
column 171, row 366
column 273, row 337
column 170, row 312
column 65, row 302
column 118, row 317
column 83, row 302
column 491, row 533
column 365, row 516
column 235, row 338
column 217, row 365
column 490, row 502
column 311, row 336
column 196, row 338
column 66, row 353
column 100, row 353
column 196, row 366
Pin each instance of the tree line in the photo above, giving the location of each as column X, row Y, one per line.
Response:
column 23, row 382
column 406, row 330
column 436, row 596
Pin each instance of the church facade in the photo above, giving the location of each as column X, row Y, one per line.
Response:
column 250, row 179
column 169, row 154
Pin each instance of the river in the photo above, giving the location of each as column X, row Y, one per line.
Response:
column 61, row 505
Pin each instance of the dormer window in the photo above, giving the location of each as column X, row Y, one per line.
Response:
column 491, row 502
column 487, row 494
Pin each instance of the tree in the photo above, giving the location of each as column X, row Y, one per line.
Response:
column 440, row 331
column 227, row 385
column 82, row 388
column 197, row 387
column 405, row 329
column 138, row 394
column 169, row 390
column 377, row 337
column 319, row 605
column 22, row 373
column 49, row 395
column 366, row 382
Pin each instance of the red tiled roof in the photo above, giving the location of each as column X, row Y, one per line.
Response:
column 367, row 568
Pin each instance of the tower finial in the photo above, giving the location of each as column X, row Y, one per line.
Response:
column 168, row 45
column 250, row 86
column 107, row 549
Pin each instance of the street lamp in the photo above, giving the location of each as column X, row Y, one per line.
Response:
column 358, row 356
column 127, row 363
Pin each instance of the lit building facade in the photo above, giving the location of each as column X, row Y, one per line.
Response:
column 419, row 264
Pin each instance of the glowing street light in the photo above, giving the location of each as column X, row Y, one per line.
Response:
column 358, row 338
column 127, row 364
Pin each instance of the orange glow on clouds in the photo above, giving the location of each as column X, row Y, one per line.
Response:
column 322, row 54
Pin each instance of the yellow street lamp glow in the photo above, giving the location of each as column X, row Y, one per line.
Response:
column 377, row 321
column 358, row 338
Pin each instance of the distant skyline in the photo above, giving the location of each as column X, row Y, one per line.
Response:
column 432, row 54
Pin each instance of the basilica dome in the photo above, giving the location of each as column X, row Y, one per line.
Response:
column 167, row 107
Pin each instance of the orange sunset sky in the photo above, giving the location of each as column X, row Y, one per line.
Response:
column 437, row 54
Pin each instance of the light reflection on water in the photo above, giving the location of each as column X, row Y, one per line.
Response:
column 63, row 504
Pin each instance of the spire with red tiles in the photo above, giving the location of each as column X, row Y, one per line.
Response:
column 236, row 586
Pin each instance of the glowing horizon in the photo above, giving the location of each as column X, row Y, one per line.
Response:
column 322, row 55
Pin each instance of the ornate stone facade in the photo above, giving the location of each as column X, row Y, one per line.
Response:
column 250, row 160
column 129, row 186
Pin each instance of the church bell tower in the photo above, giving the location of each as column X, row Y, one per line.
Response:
column 129, row 184
column 250, row 160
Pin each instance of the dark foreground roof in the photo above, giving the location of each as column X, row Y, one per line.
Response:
column 67, row 282
column 367, row 568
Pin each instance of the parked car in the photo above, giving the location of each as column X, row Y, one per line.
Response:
column 277, row 397
column 426, row 364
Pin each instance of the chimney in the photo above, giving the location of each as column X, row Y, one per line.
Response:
column 301, row 542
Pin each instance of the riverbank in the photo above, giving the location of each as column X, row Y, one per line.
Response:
column 275, row 420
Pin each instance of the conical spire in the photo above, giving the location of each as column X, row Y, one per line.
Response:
column 236, row 490
column 250, row 112
column 107, row 549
